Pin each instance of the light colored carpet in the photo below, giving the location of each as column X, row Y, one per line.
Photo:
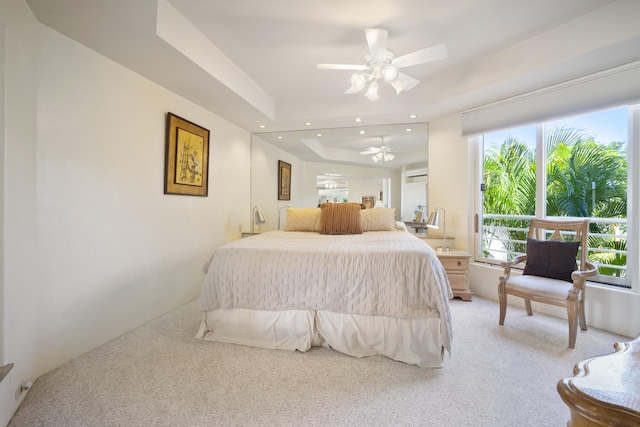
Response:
column 160, row 375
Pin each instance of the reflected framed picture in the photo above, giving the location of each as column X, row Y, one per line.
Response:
column 186, row 169
column 284, row 180
column 368, row 201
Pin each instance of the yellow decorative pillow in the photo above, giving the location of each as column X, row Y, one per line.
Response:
column 303, row 219
column 378, row 219
column 340, row 218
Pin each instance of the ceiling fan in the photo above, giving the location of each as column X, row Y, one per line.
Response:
column 382, row 64
column 381, row 153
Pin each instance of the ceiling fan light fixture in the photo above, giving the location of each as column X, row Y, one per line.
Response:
column 390, row 73
column 358, row 82
column 372, row 92
column 383, row 156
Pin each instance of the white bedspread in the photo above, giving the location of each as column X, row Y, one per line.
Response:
column 384, row 273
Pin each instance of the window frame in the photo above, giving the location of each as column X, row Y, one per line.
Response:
column 630, row 282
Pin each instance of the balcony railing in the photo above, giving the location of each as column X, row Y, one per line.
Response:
column 504, row 238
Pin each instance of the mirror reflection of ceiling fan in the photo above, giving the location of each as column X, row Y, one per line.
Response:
column 382, row 64
column 383, row 153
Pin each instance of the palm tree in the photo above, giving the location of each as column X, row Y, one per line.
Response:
column 510, row 188
column 584, row 179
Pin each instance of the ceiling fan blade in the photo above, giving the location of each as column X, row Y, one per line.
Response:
column 429, row 54
column 342, row 67
column 370, row 150
column 377, row 41
column 410, row 81
column 404, row 82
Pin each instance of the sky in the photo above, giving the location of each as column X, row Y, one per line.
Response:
column 605, row 126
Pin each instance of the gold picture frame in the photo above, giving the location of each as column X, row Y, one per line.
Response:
column 284, row 180
column 368, row 201
column 186, row 169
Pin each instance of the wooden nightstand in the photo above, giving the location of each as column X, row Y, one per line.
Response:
column 456, row 264
column 248, row 234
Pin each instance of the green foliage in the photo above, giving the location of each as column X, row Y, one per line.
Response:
column 510, row 179
column 584, row 178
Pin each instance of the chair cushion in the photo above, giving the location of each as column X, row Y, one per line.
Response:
column 551, row 258
column 542, row 287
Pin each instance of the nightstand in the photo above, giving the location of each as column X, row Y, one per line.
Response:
column 248, row 234
column 456, row 264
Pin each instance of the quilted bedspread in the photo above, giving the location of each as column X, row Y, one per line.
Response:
column 379, row 273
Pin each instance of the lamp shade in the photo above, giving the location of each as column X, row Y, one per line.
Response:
column 434, row 220
column 258, row 218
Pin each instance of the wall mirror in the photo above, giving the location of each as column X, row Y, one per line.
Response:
column 388, row 162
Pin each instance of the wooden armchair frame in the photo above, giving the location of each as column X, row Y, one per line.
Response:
column 552, row 291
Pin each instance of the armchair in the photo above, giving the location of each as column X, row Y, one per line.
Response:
column 553, row 272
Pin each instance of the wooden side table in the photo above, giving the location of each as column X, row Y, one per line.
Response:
column 417, row 226
column 605, row 390
column 456, row 264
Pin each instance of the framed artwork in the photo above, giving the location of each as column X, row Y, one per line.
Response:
column 186, row 169
column 284, row 180
column 368, row 201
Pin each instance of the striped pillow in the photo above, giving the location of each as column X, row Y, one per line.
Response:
column 340, row 218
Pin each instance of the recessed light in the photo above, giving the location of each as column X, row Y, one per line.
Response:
column 318, row 134
column 279, row 137
column 412, row 116
column 307, row 124
column 361, row 132
column 408, row 129
column 262, row 126
column 358, row 120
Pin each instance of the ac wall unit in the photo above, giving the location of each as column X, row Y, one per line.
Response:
column 416, row 172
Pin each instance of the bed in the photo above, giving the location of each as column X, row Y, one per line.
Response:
column 375, row 291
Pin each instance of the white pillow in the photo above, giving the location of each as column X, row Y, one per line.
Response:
column 303, row 219
column 378, row 219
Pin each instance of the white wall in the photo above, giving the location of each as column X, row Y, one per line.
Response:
column 264, row 182
column 414, row 194
column 449, row 174
column 19, row 225
column 93, row 248
column 607, row 308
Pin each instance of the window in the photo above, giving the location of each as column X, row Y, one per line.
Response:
column 572, row 167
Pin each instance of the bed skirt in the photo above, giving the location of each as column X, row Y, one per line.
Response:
column 415, row 341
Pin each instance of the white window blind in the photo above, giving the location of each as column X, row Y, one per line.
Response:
column 608, row 88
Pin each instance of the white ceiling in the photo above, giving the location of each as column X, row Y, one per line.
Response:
column 253, row 62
